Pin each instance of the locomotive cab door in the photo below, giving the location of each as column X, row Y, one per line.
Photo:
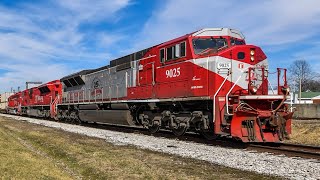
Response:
column 172, row 76
column 146, row 78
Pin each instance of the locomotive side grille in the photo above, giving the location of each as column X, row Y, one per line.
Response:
column 127, row 59
column 67, row 83
column 44, row 89
column 123, row 66
column 79, row 80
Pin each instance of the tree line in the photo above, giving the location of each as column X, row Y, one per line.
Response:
column 301, row 70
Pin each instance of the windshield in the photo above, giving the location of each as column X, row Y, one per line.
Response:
column 236, row 42
column 207, row 45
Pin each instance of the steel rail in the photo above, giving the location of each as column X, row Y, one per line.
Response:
column 296, row 150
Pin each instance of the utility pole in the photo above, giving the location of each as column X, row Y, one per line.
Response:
column 31, row 82
column 300, row 90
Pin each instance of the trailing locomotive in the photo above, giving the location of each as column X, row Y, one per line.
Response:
column 36, row 101
column 209, row 81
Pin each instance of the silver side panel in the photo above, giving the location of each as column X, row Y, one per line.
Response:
column 105, row 84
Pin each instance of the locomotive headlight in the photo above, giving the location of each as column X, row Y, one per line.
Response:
column 251, row 52
column 252, row 58
column 253, row 89
column 285, row 90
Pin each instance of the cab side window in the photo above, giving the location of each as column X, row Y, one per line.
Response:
column 173, row 52
column 170, row 51
column 162, row 56
column 183, row 49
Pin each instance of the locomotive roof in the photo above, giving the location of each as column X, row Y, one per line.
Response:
column 98, row 69
column 49, row 83
column 75, row 78
column 208, row 32
column 83, row 72
column 219, row 32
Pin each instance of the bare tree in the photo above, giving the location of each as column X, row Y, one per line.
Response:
column 301, row 69
column 313, row 85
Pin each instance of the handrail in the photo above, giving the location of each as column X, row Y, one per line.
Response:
column 235, row 83
column 54, row 106
column 271, row 87
column 215, row 95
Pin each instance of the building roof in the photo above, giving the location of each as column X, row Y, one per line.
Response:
column 317, row 97
column 308, row 94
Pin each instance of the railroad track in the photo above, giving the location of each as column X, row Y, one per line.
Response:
column 188, row 137
column 292, row 150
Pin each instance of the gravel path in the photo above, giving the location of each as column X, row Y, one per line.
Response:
column 293, row 168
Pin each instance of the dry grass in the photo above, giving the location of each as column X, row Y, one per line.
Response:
column 29, row 151
column 19, row 161
column 305, row 132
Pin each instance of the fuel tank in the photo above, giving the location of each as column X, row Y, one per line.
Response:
column 117, row 117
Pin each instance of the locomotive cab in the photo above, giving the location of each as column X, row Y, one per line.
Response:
column 237, row 81
column 242, row 106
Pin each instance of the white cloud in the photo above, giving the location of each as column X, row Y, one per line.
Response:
column 278, row 26
column 273, row 22
column 92, row 10
column 20, row 73
column 311, row 54
column 45, row 41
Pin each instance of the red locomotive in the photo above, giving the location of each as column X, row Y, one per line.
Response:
column 209, row 81
column 36, row 101
column 14, row 103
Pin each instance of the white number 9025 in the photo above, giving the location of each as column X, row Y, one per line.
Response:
column 172, row 73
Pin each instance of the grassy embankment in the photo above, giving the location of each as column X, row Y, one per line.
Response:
column 305, row 132
column 29, row 151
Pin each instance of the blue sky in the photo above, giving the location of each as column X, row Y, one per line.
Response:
column 45, row 40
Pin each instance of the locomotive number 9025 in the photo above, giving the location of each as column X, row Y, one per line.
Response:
column 172, row 73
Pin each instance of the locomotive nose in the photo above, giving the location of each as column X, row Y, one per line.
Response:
column 248, row 54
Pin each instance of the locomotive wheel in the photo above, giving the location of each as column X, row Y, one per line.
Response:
column 154, row 126
column 208, row 135
column 179, row 131
column 154, row 129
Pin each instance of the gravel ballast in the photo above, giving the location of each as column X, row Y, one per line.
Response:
column 265, row 163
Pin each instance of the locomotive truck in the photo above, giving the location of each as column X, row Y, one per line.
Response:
column 208, row 81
